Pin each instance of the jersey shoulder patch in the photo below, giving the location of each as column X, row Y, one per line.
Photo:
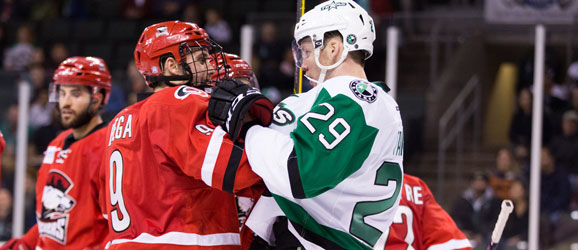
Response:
column 183, row 91
column 282, row 116
column 363, row 90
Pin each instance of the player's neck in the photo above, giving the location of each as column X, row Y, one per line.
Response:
column 83, row 130
column 159, row 88
column 347, row 68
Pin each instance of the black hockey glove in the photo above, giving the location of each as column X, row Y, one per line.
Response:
column 230, row 101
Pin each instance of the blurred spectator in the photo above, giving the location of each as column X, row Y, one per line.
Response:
column 41, row 110
column 2, row 41
column 555, row 103
column 58, row 53
column 30, row 198
column 217, row 28
column 136, row 83
column 5, row 10
column 287, row 66
column 45, row 10
column 5, row 214
column 137, row 9
column 38, row 57
column 169, row 9
column 116, row 102
column 476, row 210
column 191, row 13
column 18, row 56
column 269, row 53
column 9, row 125
column 552, row 70
column 565, row 146
column 516, row 230
column 502, row 177
column 521, row 127
column 75, row 9
column 41, row 137
column 574, row 100
column 37, row 78
column 555, row 186
column 555, row 195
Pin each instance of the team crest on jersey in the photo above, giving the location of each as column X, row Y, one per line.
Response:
column 282, row 116
column 363, row 90
column 56, row 205
column 184, row 91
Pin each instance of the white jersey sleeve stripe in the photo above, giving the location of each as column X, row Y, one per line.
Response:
column 211, row 155
column 183, row 239
column 451, row 244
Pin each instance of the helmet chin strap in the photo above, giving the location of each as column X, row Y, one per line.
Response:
column 324, row 68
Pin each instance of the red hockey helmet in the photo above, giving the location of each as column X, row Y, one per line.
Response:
column 233, row 66
column 173, row 39
column 89, row 71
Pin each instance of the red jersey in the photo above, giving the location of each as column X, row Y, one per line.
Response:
column 421, row 223
column 167, row 170
column 67, row 193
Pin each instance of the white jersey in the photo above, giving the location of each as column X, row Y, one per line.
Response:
column 333, row 162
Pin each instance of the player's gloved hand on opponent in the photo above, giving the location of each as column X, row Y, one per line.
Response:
column 15, row 244
column 231, row 100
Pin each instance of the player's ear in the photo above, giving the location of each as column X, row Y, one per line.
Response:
column 171, row 67
column 97, row 98
column 334, row 47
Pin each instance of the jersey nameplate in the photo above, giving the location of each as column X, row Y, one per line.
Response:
column 363, row 90
column 121, row 129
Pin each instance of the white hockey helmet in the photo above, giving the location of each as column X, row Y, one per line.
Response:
column 347, row 17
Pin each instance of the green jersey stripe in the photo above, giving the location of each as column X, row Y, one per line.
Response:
column 297, row 214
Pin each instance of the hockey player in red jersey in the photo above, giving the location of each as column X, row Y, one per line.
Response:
column 421, row 223
column 168, row 167
column 67, row 189
column 235, row 67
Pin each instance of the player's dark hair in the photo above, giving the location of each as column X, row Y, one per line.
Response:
column 162, row 60
column 357, row 56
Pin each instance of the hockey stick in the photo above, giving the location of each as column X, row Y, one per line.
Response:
column 507, row 208
column 298, row 82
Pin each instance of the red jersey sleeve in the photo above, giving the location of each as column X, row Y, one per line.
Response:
column 421, row 222
column 31, row 237
column 199, row 148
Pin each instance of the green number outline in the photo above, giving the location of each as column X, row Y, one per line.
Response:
column 358, row 227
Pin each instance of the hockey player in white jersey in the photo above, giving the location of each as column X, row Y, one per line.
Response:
column 333, row 158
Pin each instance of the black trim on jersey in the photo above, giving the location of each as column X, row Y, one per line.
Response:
column 232, row 166
column 142, row 96
column 316, row 238
column 294, row 177
column 69, row 140
column 382, row 85
column 267, row 193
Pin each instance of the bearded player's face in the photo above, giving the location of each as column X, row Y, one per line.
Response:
column 73, row 103
column 200, row 63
